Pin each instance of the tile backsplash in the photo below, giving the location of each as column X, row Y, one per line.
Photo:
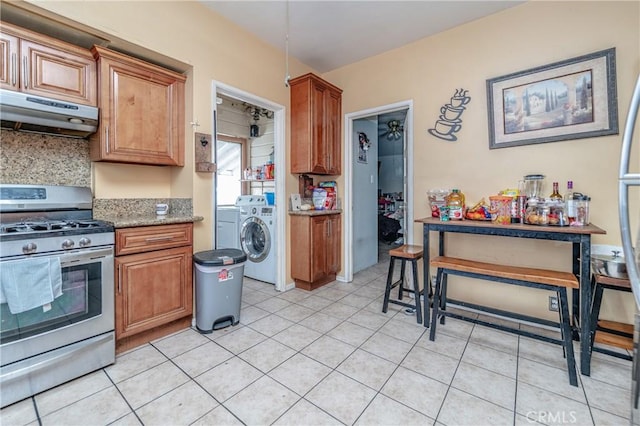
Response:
column 34, row 159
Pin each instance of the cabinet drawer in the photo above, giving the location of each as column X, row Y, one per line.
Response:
column 149, row 238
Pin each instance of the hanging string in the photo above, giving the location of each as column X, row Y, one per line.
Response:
column 286, row 49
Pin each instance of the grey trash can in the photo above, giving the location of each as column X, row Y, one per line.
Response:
column 219, row 275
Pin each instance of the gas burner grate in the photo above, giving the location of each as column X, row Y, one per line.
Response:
column 40, row 226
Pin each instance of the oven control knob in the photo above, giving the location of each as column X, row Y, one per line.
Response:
column 67, row 244
column 29, row 248
column 84, row 241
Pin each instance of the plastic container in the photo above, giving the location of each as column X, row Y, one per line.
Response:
column 271, row 198
column 500, row 208
column 218, row 282
column 455, row 202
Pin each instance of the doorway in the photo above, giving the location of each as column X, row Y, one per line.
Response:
column 277, row 156
column 362, row 180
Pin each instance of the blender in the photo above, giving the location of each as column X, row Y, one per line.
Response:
column 533, row 186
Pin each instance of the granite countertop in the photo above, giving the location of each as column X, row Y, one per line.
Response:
column 314, row 212
column 130, row 221
column 128, row 213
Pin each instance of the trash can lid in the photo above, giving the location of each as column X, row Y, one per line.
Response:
column 219, row 257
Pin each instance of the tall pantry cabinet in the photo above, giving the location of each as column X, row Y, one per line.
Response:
column 316, row 149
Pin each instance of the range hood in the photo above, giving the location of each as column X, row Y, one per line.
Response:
column 29, row 113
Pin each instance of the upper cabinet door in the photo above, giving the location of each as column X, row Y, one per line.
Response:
column 55, row 73
column 316, row 107
column 43, row 66
column 141, row 112
column 333, row 120
column 9, row 49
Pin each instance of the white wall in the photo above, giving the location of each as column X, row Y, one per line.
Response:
column 234, row 120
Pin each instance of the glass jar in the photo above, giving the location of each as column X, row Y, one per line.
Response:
column 581, row 203
column 543, row 218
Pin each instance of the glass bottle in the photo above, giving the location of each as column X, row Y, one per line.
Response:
column 455, row 202
column 570, row 205
column 555, row 195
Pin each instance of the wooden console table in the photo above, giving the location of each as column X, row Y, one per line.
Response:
column 579, row 236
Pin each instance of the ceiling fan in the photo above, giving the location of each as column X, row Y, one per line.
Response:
column 396, row 130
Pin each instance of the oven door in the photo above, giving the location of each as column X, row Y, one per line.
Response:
column 85, row 308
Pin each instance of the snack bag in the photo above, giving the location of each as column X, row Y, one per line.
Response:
column 319, row 198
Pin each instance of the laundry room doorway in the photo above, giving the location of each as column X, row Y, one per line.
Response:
column 249, row 137
column 379, row 183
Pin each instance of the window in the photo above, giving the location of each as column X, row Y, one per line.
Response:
column 231, row 160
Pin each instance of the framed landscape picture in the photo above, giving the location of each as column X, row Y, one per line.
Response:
column 571, row 99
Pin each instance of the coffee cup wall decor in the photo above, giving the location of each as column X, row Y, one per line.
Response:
column 450, row 121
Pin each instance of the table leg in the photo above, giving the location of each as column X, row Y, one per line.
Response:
column 585, row 302
column 575, row 293
column 425, row 273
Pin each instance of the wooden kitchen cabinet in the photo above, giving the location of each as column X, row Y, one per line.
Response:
column 316, row 129
column 154, row 282
column 141, row 112
column 44, row 66
column 315, row 249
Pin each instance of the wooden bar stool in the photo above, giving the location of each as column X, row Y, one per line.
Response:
column 404, row 253
column 609, row 332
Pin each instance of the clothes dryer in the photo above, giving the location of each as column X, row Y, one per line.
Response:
column 228, row 228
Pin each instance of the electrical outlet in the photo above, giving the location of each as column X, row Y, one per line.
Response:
column 553, row 303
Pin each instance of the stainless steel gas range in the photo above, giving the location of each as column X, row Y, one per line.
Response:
column 56, row 289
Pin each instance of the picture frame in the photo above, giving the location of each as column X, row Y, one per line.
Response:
column 571, row 99
column 363, row 146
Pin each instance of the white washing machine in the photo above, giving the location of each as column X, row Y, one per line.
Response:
column 228, row 228
column 257, row 241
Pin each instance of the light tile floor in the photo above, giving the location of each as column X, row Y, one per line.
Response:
column 331, row 357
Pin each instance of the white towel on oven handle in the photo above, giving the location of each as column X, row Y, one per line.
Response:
column 30, row 283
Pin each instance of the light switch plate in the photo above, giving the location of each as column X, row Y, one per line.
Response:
column 295, row 202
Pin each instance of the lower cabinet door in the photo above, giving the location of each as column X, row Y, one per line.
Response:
column 152, row 289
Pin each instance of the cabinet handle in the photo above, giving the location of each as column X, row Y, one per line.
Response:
column 14, row 69
column 25, row 73
column 155, row 239
column 119, row 279
column 106, row 137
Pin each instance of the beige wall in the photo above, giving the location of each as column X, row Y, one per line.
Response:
column 427, row 71
column 210, row 48
column 526, row 36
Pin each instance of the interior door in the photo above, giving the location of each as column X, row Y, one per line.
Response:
column 365, row 195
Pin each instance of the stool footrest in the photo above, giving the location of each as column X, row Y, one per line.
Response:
column 406, row 305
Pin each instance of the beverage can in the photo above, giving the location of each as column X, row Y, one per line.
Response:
column 444, row 213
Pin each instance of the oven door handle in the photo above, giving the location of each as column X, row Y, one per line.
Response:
column 8, row 375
